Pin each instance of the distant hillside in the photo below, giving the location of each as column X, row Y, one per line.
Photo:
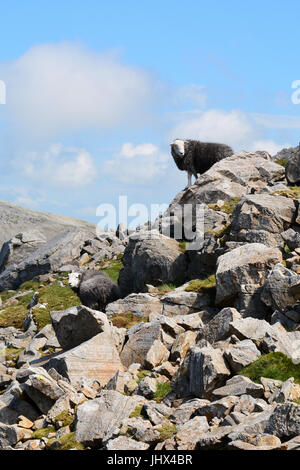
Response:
column 15, row 219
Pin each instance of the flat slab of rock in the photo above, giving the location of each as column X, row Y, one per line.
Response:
column 239, row 385
column 142, row 305
column 96, row 358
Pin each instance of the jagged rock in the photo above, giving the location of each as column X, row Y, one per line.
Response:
column 271, row 388
column 184, row 412
column 202, row 370
column 193, row 321
column 289, row 391
column 96, row 358
column 241, row 354
column 147, row 387
column 291, row 238
column 188, row 433
column 156, row 260
column 126, row 443
column 43, row 390
column 181, row 345
column 156, row 413
column 146, row 339
column 142, row 305
column 252, row 328
column 292, row 172
column 278, row 289
column 8, row 436
column 96, row 420
column 241, row 274
column 260, row 218
column 77, row 325
column 219, row 327
column 217, row 409
column 278, row 340
column 238, row 385
column 284, row 421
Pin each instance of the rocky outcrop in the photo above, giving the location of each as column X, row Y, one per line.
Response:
column 151, row 259
column 241, row 274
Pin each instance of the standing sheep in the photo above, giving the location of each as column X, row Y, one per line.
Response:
column 94, row 289
column 196, row 157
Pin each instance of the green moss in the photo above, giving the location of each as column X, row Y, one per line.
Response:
column 228, row 206
column 162, row 390
column 7, row 294
column 142, row 374
column 43, row 432
column 113, row 269
column 29, row 285
column 126, row 320
column 286, row 248
column 282, row 161
column 12, row 354
column 57, row 298
column 137, row 412
column 67, row 442
column 165, row 288
column 13, row 316
column 167, row 431
column 202, row 285
column 274, row 365
column 292, row 192
column 66, row 418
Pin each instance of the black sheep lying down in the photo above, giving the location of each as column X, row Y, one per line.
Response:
column 197, row 157
column 95, row 290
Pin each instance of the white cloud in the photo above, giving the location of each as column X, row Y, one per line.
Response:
column 58, row 166
column 65, row 87
column 233, row 128
column 269, row 146
column 137, row 164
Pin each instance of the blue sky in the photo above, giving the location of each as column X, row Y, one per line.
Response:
column 96, row 91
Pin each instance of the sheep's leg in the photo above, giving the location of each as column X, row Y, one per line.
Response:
column 189, row 178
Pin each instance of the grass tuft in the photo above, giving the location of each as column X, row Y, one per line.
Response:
column 274, row 365
column 137, row 412
column 167, row 431
column 282, row 161
column 126, row 320
column 162, row 390
column 228, row 206
column 202, row 285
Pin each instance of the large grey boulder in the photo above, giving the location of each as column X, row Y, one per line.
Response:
column 202, row 370
column 292, row 171
column 284, row 421
column 219, row 327
column 8, row 436
column 146, row 342
column 97, row 358
column 63, row 249
column 291, row 238
column 241, row 354
column 155, row 260
column 77, row 325
column 260, row 218
column 279, row 289
column 241, row 274
column 96, row 419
